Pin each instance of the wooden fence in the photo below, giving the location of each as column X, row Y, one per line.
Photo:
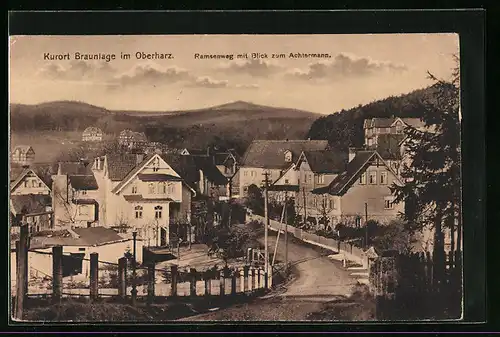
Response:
column 417, row 286
column 122, row 280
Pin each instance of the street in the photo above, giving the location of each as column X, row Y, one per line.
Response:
column 317, row 279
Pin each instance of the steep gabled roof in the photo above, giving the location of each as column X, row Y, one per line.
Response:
column 270, row 154
column 326, row 161
column 341, row 184
column 22, row 148
column 22, row 175
column 185, row 166
column 138, row 167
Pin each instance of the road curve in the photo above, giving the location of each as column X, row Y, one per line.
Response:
column 317, row 279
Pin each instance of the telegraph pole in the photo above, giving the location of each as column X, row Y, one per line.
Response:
column 366, row 224
column 266, row 226
column 286, row 233
column 304, row 201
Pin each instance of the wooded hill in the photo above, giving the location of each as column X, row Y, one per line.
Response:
column 234, row 124
column 344, row 128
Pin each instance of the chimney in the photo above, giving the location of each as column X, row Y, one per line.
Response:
column 352, row 153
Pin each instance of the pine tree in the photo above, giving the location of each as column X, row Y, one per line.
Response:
column 432, row 192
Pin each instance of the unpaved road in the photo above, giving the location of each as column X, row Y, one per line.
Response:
column 317, row 280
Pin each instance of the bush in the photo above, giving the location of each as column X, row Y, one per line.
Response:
column 394, row 236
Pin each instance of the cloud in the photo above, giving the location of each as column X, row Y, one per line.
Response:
column 345, row 66
column 255, row 68
column 207, row 82
column 247, row 86
column 77, row 71
column 151, row 74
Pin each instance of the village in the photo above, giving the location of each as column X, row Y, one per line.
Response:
column 145, row 204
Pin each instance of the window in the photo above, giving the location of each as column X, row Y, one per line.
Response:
column 372, row 178
column 332, row 204
column 158, row 211
column 156, row 165
column 287, row 181
column 321, row 179
column 151, row 188
column 252, row 173
column 362, row 179
column 138, row 212
column 164, row 188
column 134, row 189
column 388, row 203
column 245, row 173
column 288, row 156
column 383, row 178
column 83, row 192
column 83, row 210
column 39, row 184
column 25, row 183
column 171, row 189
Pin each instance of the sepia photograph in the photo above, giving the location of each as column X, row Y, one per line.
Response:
column 229, row 178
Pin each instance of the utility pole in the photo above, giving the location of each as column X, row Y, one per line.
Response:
column 266, row 226
column 366, row 224
column 134, row 271
column 304, row 201
column 286, row 234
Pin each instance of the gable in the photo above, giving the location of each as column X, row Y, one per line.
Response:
column 153, row 165
column 28, row 174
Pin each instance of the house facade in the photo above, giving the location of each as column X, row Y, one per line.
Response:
column 361, row 191
column 142, row 192
column 23, row 155
column 75, row 195
column 92, row 134
column 28, row 182
column 272, row 157
column 132, row 140
column 375, row 127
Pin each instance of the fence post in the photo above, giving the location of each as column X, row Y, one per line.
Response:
column 233, row 281
column 57, row 273
column 246, row 281
column 192, row 282
column 249, row 255
column 122, row 277
column 241, row 274
column 208, row 284
column 252, row 286
column 94, row 275
column 174, row 274
column 222, row 283
column 151, row 282
column 258, row 278
column 21, row 271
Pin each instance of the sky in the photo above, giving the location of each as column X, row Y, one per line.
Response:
column 353, row 70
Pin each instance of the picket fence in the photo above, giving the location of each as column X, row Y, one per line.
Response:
column 108, row 279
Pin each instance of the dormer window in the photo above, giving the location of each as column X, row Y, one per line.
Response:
column 288, row 156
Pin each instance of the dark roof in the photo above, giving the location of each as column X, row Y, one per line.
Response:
column 75, row 168
column 158, row 177
column 270, row 154
column 211, row 172
column 15, row 172
column 185, row 166
column 119, row 166
column 388, row 145
column 327, row 161
column 275, row 187
column 83, row 182
column 354, row 168
column 97, row 235
column 85, row 201
column 197, row 152
column 222, row 157
column 29, row 203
